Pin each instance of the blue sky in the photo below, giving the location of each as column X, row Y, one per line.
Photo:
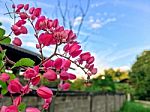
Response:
column 116, row 31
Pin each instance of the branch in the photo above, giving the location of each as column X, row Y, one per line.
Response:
column 61, row 13
column 8, row 11
column 83, row 15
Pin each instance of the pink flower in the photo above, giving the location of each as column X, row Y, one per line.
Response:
column 48, row 63
column 12, row 108
column 17, row 101
column 15, row 27
column 71, row 35
column 35, row 81
column 4, row 77
column 64, row 86
column 90, row 60
column 40, row 23
column 45, row 39
column 31, row 10
column 3, row 109
column 31, row 109
column 72, row 76
column 91, row 67
column 55, row 23
column 17, row 41
column 44, row 92
column 58, row 63
column 14, row 86
column 66, row 64
column 94, row 71
column 13, row 6
column 23, row 30
column 37, row 46
column 37, row 12
column 66, row 48
column 20, row 6
column 26, row 7
column 85, row 56
column 46, row 103
column 19, row 24
column 64, row 75
column 30, row 73
column 36, row 68
column 23, row 15
column 74, row 50
column 50, row 75
column 25, row 89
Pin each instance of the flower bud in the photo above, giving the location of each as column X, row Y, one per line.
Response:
column 14, row 86
column 26, row 7
column 4, row 77
column 17, row 41
column 31, row 109
column 17, row 101
column 64, row 86
column 35, row 81
column 44, row 92
column 30, row 73
column 50, row 75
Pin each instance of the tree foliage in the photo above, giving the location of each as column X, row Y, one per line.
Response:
column 140, row 75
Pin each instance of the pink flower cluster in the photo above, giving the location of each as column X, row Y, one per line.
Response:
column 48, row 32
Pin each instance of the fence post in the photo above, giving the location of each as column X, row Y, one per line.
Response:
column 106, row 102
column 91, row 101
column 115, row 103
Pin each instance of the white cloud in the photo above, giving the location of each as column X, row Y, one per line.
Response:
column 5, row 19
column 97, row 4
column 29, row 44
column 99, row 23
column 96, row 24
column 77, row 21
column 109, row 20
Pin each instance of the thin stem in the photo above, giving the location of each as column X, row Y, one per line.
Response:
column 8, row 10
column 51, row 55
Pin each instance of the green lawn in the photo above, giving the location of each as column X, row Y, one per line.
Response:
column 134, row 107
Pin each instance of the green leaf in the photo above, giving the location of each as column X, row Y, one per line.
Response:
column 4, row 87
column 22, row 107
column 2, row 32
column 2, row 54
column 1, row 63
column 4, row 91
column 3, row 84
column 5, row 40
column 0, row 24
column 12, row 76
column 24, row 62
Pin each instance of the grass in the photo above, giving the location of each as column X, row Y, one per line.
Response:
column 134, row 107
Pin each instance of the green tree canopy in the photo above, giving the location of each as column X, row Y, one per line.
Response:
column 140, row 75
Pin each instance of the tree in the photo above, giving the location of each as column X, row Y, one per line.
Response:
column 117, row 75
column 140, row 75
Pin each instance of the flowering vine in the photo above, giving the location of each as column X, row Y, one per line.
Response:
column 48, row 32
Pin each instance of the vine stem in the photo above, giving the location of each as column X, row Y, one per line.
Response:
column 51, row 55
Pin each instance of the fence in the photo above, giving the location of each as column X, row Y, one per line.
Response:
column 78, row 102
